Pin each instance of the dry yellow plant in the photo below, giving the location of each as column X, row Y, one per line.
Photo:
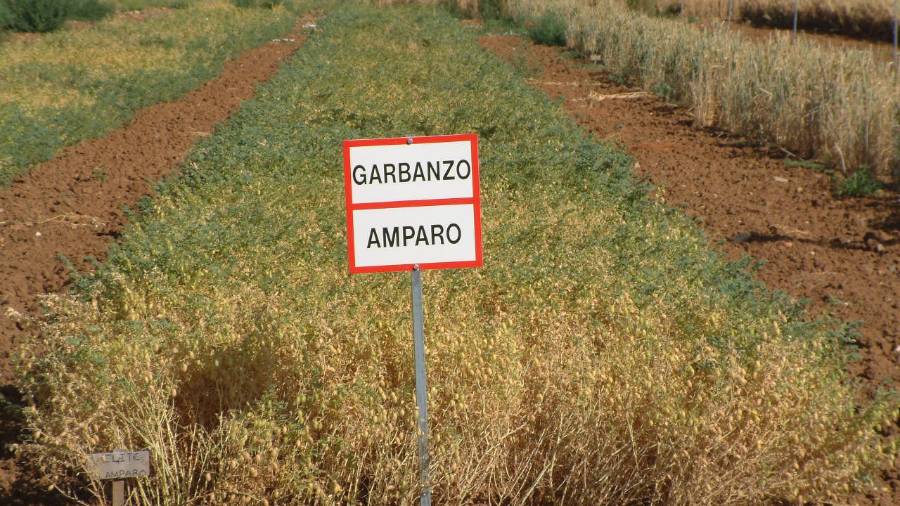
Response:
column 841, row 107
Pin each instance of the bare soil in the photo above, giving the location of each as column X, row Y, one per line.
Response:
column 843, row 255
column 73, row 207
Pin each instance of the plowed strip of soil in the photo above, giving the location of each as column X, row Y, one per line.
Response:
column 72, row 206
column 841, row 254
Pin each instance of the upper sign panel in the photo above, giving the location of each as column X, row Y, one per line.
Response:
column 431, row 168
column 412, row 202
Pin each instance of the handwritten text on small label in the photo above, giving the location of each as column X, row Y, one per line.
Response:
column 117, row 465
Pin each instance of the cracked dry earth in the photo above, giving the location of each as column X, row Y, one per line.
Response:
column 843, row 255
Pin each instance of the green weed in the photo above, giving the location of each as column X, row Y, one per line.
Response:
column 492, row 9
column 549, row 29
column 665, row 91
column 860, row 183
column 36, row 15
column 49, row 15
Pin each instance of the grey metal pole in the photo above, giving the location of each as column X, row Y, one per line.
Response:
column 796, row 16
column 896, row 53
column 421, row 385
column 730, row 13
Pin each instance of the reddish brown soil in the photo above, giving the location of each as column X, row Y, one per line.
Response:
column 841, row 254
column 72, row 206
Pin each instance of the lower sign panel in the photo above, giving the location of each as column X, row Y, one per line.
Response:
column 399, row 237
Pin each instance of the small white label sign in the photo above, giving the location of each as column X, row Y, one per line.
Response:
column 119, row 464
column 412, row 201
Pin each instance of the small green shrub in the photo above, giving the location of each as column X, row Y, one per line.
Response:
column 665, row 91
column 549, row 29
column 859, row 184
column 5, row 16
column 36, row 15
column 266, row 4
column 48, row 15
column 492, row 9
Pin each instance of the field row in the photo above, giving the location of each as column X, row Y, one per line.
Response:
column 602, row 355
column 63, row 87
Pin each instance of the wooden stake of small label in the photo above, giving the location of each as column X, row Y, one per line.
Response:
column 118, row 493
column 118, row 466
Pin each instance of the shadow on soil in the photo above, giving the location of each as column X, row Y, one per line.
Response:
column 21, row 489
column 865, row 245
column 892, row 222
column 822, row 20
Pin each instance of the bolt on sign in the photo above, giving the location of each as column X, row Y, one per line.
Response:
column 412, row 201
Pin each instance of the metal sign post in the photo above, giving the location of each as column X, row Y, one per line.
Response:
column 413, row 203
column 896, row 54
column 796, row 16
column 421, row 384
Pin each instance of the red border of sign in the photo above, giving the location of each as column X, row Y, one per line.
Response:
column 475, row 200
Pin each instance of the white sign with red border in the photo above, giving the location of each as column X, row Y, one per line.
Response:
column 412, row 201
